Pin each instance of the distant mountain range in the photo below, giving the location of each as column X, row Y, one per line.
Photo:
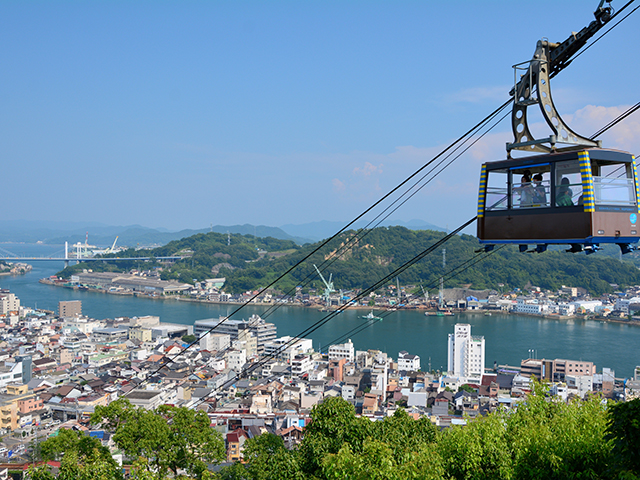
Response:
column 56, row 233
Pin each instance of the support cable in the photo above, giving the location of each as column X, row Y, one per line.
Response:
column 616, row 120
column 327, row 318
column 609, row 29
column 417, row 186
column 366, row 211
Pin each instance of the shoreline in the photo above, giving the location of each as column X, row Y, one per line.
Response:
column 420, row 308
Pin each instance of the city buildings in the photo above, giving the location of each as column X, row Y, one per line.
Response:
column 263, row 331
column 55, row 369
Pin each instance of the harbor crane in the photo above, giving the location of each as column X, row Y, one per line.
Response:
column 328, row 287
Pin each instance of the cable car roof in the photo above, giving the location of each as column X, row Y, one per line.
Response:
column 603, row 154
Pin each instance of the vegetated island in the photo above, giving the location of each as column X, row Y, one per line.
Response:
column 8, row 268
column 249, row 263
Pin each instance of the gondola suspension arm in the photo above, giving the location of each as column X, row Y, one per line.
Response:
column 533, row 88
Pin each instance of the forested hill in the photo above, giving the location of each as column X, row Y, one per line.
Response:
column 250, row 262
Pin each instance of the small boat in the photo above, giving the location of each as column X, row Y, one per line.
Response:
column 487, row 314
column 371, row 316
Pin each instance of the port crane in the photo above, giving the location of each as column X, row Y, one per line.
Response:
column 328, row 287
column 108, row 249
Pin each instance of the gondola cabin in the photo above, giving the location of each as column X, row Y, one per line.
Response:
column 580, row 198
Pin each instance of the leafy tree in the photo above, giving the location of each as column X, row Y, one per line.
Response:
column 333, row 423
column 377, row 462
column 623, row 430
column 82, row 457
column 171, row 438
column 557, row 440
column 479, row 451
column 466, row 388
column 189, row 338
column 403, row 434
column 235, row 471
column 55, row 448
column 267, row 458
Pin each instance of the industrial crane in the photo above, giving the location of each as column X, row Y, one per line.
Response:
column 328, row 287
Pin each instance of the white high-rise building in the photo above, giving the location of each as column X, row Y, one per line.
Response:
column 466, row 354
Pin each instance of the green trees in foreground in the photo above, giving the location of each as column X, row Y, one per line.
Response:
column 543, row 438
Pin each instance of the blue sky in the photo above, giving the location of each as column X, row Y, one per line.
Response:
column 183, row 114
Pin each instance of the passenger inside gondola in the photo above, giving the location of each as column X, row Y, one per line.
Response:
column 526, row 190
column 539, row 192
column 564, row 194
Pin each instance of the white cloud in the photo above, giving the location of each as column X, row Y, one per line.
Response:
column 367, row 170
column 338, row 186
column 624, row 136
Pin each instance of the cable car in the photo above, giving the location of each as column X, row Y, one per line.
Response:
column 574, row 192
column 581, row 198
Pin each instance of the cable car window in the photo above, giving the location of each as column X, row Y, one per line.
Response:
column 531, row 187
column 497, row 190
column 522, row 190
column 568, row 183
column 613, row 184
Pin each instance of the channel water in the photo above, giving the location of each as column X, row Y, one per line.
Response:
column 508, row 338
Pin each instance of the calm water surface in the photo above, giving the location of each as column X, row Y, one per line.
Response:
column 508, row 337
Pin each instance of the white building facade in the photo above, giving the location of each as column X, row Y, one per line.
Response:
column 465, row 354
column 408, row 362
column 530, row 306
column 344, row 350
column 301, row 364
column 236, row 359
column 590, row 305
column 215, row 342
column 9, row 303
column 286, row 348
column 622, row 304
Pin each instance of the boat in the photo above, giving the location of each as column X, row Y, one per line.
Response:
column 439, row 313
column 371, row 316
column 487, row 314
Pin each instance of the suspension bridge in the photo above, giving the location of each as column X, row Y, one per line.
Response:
column 63, row 255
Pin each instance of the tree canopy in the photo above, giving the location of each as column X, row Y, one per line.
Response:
column 168, row 438
column 543, row 438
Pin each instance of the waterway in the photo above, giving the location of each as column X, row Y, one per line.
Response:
column 508, row 338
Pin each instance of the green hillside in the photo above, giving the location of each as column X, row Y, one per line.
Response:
column 250, row 262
